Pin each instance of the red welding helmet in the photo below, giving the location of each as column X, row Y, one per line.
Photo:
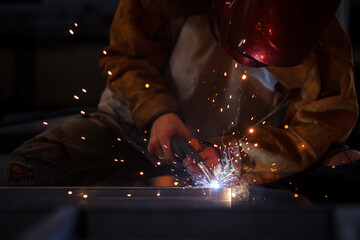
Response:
column 279, row 33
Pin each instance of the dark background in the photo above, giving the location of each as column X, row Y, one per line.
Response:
column 43, row 66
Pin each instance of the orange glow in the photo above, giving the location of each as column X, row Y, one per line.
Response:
column 286, row 126
column 147, row 85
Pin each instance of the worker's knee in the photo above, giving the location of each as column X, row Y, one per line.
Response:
column 17, row 170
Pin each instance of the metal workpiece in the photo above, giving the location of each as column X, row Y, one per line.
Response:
column 123, row 197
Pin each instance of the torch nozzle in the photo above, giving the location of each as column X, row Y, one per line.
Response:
column 183, row 149
column 209, row 175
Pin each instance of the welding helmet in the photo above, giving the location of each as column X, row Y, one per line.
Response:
column 279, row 33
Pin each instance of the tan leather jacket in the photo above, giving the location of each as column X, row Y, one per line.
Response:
column 141, row 65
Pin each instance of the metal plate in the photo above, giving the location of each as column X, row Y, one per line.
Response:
column 174, row 197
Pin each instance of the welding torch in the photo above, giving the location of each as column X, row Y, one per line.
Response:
column 181, row 147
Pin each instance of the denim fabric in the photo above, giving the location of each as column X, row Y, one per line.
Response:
column 79, row 152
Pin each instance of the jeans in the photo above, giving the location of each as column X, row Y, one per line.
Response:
column 78, row 152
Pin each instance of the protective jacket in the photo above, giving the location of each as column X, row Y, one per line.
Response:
column 162, row 59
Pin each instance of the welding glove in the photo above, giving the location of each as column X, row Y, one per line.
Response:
column 162, row 131
column 206, row 151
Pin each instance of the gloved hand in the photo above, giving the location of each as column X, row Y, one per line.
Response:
column 208, row 153
column 162, row 130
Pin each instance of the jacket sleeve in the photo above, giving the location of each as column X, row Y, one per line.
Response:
column 135, row 58
column 322, row 112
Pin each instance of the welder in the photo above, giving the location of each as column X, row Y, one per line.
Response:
column 266, row 84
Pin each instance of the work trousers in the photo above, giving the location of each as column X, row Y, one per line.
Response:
column 79, row 152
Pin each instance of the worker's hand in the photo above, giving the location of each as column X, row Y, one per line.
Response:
column 207, row 152
column 162, row 130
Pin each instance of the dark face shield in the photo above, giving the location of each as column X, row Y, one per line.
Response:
column 280, row 33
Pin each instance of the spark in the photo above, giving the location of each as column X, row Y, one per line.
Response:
column 221, row 109
column 104, row 52
column 303, row 145
column 82, row 112
column 76, row 25
column 141, row 173
column 333, row 166
column 176, row 183
column 84, row 90
column 228, row 106
column 251, row 130
column 46, row 123
column 83, row 138
column 158, row 194
column 116, row 160
column 256, row 145
column 147, row 85
column 71, row 31
column 236, row 65
column 109, row 73
column 128, row 195
column 225, row 74
column 70, row 192
column 122, row 160
column 85, row 196
column 230, row 97
column 198, row 130
column 296, row 195
column 158, row 163
column 118, row 139
column 286, row 126
column 76, row 97
column 243, row 77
